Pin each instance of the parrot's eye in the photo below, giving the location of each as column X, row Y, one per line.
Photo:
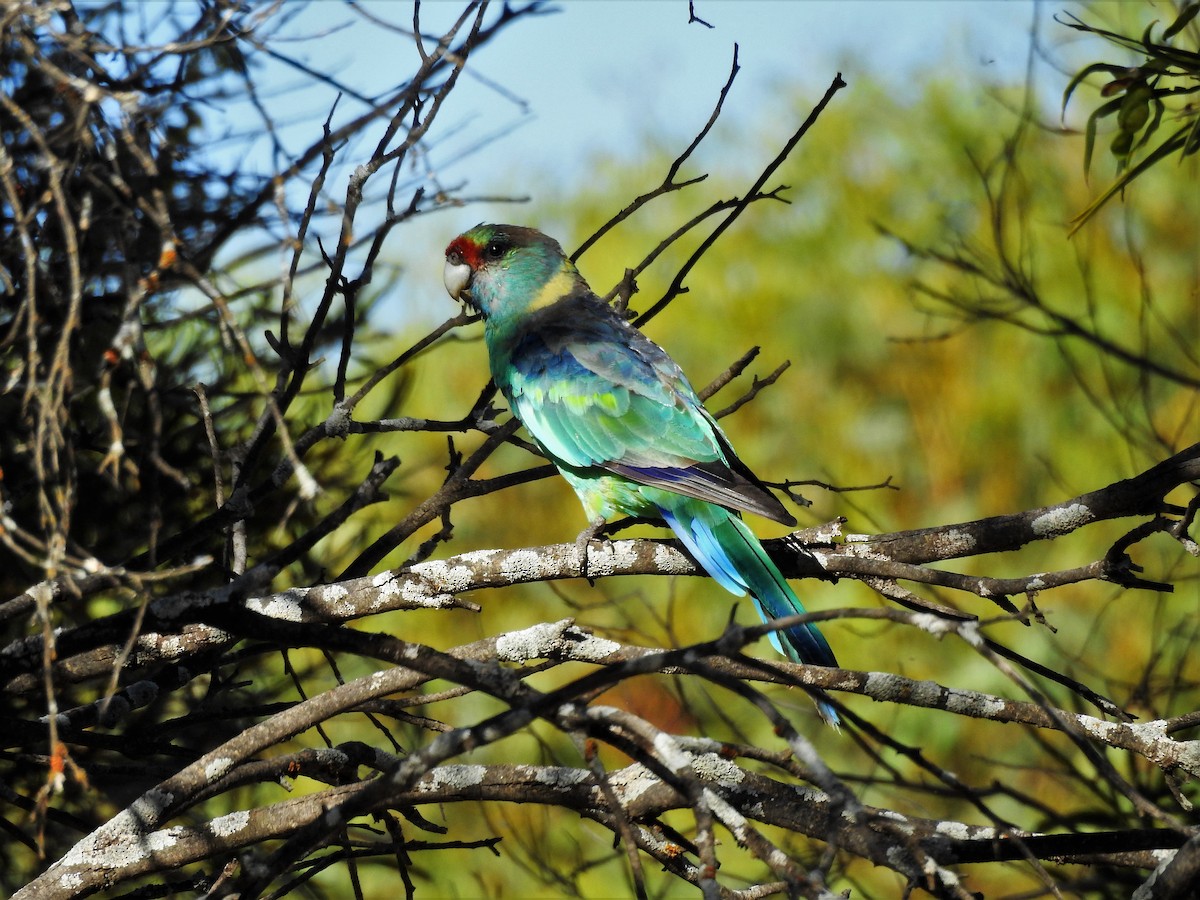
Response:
column 495, row 250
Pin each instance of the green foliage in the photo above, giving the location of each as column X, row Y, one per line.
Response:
column 1142, row 94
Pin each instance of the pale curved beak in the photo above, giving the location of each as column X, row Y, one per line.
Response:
column 457, row 278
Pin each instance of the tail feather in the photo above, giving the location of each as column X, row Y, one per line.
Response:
column 728, row 550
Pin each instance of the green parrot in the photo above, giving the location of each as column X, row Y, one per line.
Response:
column 619, row 419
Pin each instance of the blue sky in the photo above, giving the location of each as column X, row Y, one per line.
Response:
column 599, row 75
column 602, row 73
column 601, row 78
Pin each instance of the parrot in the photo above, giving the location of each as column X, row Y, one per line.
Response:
column 619, row 419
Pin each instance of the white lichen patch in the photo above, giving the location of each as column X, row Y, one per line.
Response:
column 529, row 565
column 158, row 841
column 670, row 561
column 609, row 557
column 593, row 649
column 1101, row 729
column 334, row 593
column 1062, row 521
column 429, row 584
column 710, row 767
column 633, row 781
column 285, row 606
column 529, row 643
column 458, row 577
column 955, row 542
column 217, row 768
column 453, row 777
column 224, row 826
column 387, row 583
column 474, row 559
column 553, row 639
column 171, row 646
column 958, row 831
column 122, row 840
column 415, row 592
column 338, row 599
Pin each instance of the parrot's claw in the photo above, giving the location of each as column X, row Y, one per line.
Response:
column 585, row 538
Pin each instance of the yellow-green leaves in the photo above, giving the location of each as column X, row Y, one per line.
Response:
column 1140, row 99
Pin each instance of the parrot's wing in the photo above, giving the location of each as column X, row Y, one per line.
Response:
column 594, row 391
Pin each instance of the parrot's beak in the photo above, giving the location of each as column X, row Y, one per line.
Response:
column 457, row 278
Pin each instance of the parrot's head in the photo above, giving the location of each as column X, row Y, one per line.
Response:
column 507, row 270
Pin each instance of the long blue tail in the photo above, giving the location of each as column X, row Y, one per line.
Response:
column 728, row 551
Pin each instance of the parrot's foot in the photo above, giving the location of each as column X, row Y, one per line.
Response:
column 585, row 538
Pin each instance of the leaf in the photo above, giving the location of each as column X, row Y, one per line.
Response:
column 1084, row 73
column 1134, row 111
column 1118, row 85
column 1159, row 108
column 1189, row 12
column 1121, row 144
column 1165, row 149
column 1193, row 141
column 1119, row 39
column 1089, row 139
column 1089, row 142
column 1148, row 38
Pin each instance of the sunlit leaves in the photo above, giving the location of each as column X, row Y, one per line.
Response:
column 1141, row 96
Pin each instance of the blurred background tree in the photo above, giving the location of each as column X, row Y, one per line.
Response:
column 205, row 404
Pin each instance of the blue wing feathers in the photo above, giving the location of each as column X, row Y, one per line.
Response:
column 596, row 392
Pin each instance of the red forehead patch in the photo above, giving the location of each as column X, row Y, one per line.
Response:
column 467, row 250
